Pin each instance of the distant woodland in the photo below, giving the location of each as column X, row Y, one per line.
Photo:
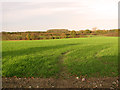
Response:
column 57, row 34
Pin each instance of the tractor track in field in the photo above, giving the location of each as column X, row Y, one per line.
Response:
column 63, row 80
column 63, row 69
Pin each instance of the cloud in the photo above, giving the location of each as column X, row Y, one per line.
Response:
column 73, row 14
column 21, row 11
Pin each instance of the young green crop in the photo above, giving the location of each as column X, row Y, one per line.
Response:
column 96, row 56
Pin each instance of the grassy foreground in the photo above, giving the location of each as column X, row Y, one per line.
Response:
column 96, row 56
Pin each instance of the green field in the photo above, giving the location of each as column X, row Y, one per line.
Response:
column 95, row 56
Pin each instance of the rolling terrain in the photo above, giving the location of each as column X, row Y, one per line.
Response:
column 92, row 57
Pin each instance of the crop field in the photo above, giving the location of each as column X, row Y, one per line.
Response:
column 92, row 57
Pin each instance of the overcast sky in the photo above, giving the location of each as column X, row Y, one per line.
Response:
column 72, row 14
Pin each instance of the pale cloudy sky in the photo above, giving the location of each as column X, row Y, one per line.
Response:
column 67, row 14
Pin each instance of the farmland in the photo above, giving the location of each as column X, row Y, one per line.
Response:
column 92, row 57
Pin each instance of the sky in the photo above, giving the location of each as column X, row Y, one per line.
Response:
column 42, row 15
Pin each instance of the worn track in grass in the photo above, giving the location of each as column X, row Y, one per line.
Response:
column 63, row 69
column 41, row 58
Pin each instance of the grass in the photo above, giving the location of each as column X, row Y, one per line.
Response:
column 95, row 56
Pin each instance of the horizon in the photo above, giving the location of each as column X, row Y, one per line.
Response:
column 51, row 29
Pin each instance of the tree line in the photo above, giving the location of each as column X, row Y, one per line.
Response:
column 57, row 34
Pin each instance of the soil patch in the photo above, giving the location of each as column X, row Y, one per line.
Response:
column 14, row 82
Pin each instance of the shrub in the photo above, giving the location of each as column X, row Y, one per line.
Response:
column 28, row 36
